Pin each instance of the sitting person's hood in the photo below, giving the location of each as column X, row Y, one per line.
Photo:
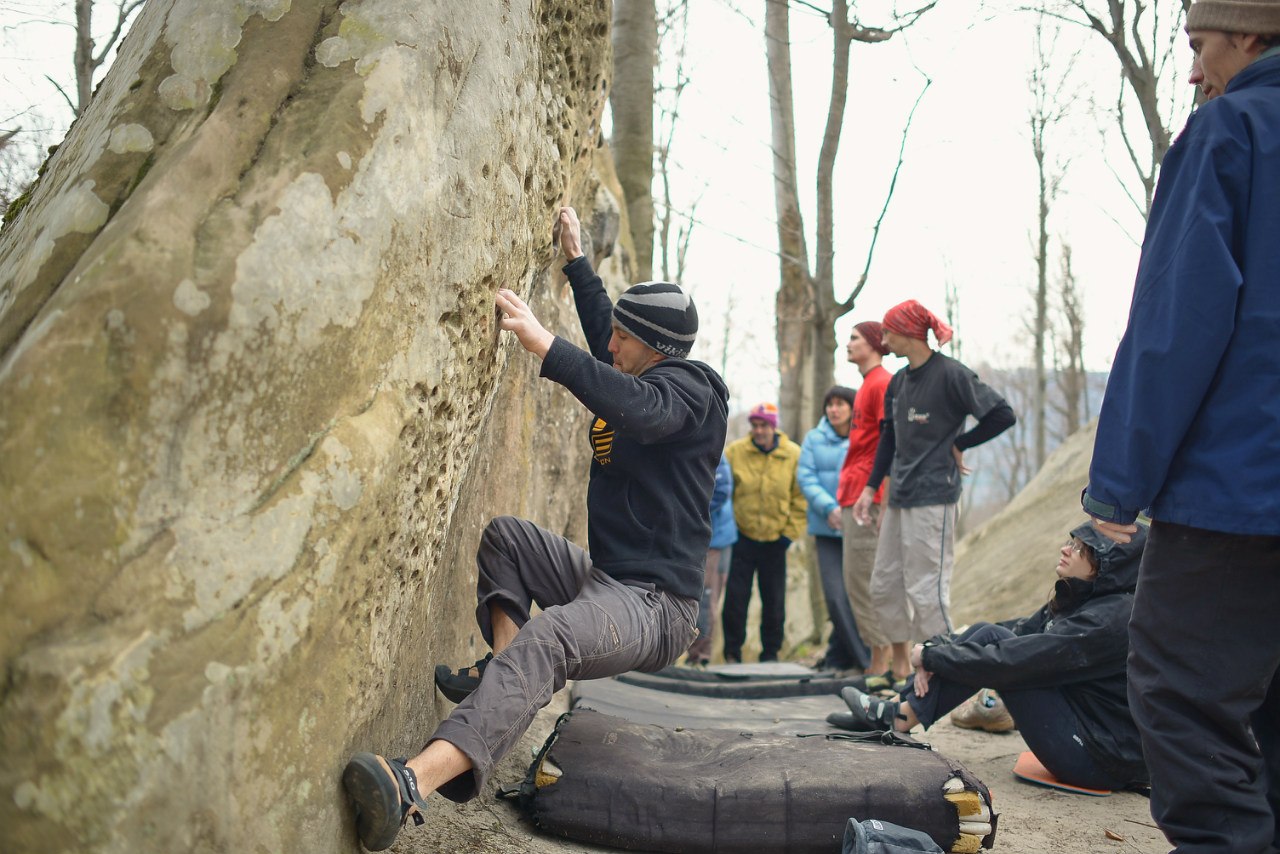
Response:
column 1117, row 566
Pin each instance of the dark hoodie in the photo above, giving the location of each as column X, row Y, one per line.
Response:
column 1079, row 643
column 655, row 440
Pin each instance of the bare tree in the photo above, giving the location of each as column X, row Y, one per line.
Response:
column 1051, row 102
column 9, row 164
column 29, row 135
column 23, row 149
column 1068, row 351
column 952, row 309
column 635, row 51
column 806, row 305
column 1142, row 35
column 91, row 54
column 671, row 82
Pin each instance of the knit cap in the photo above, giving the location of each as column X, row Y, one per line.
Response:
column 871, row 332
column 1261, row 17
column 766, row 412
column 659, row 314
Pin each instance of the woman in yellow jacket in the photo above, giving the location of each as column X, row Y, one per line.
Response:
column 770, row 511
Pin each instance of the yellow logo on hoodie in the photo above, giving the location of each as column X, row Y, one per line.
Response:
column 601, row 441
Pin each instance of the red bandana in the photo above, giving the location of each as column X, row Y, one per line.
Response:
column 914, row 321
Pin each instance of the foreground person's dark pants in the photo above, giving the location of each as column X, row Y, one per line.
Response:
column 1044, row 718
column 1204, row 650
column 591, row 626
column 845, row 649
column 769, row 561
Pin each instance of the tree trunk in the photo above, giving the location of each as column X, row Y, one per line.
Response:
column 1075, row 379
column 794, row 302
column 1040, row 319
column 249, row 365
column 825, row 313
column 83, row 58
column 635, row 46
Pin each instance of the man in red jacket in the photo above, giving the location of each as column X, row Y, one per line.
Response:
column 866, row 349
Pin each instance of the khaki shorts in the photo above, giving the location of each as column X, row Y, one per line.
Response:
column 859, row 561
column 911, row 583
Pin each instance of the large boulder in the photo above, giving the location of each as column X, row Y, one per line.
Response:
column 255, row 407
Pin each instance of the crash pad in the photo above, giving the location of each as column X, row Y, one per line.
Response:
column 671, row 709
column 607, row 781
column 742, row 681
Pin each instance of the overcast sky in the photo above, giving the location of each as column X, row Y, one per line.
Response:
column 963, row 210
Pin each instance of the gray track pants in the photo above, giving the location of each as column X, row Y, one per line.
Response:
column 591, row 626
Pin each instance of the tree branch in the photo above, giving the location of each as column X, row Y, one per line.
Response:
column 62, row 92
column 847, row 305
column 126, row 8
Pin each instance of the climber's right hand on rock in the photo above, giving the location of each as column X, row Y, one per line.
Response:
column 517, row 317
column 570, row 233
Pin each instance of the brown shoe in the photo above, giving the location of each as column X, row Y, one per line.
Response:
column 984, row 711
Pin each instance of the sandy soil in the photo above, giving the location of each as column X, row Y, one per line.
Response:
column 1033, row 820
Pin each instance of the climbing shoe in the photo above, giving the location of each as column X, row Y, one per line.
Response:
column 867, row 713
column 458, row 685
column 385, row 793
column 874, row 682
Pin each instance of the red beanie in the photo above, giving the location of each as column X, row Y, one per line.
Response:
column 871, row 333
column 913, row 320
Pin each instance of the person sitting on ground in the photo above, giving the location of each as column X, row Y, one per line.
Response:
column 1061, row 671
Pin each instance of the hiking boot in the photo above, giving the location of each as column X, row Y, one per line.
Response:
column 385, row 793
column 984, row 711
column 457, row 686
column 867, row 713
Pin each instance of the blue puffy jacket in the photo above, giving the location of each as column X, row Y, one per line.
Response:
column 818, row 473
column 724, row 531
column 1190, row 425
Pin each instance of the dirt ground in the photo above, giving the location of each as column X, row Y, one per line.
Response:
column 1033, row 819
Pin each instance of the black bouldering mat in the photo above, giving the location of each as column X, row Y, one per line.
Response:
column 670, row 709
column 742, row 681
column 607, row 781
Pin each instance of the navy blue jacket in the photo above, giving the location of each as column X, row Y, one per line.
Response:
column 655, row 440
column 1190, row 424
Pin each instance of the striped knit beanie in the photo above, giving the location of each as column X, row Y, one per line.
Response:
column 661, row 315
column 1260, row 17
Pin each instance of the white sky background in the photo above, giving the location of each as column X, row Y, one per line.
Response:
column 963, row 210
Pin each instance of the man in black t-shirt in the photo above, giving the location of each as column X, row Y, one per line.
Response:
column 922, row 450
